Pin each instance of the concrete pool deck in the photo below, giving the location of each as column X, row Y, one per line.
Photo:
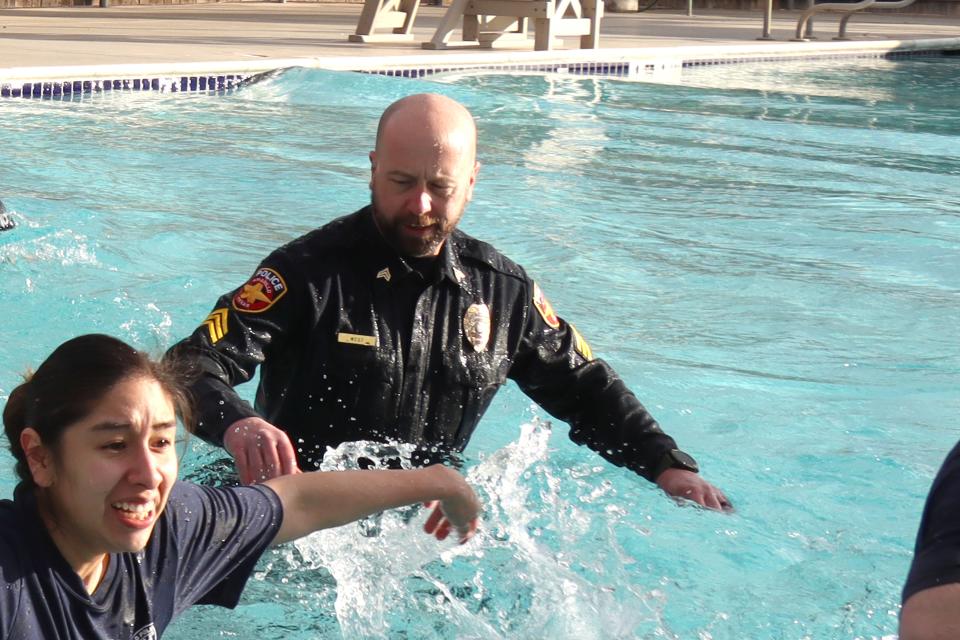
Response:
column 250, row 37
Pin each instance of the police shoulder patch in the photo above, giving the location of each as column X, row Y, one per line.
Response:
column 543, row 306
column 260, row 292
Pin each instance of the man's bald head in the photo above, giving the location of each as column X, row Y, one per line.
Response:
column 422, row 172
column 431, row 113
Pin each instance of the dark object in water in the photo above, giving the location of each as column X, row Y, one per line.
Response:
column 6, row 222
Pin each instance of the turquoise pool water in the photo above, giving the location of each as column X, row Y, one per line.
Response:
column 770, row 256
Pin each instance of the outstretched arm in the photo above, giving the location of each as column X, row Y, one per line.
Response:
column 324, row 499
column 556, row 367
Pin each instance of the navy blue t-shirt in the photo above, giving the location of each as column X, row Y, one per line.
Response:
column 202, row 551
column 936, row 558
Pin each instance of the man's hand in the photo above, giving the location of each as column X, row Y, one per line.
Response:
column 260, row 450
column 680, row 483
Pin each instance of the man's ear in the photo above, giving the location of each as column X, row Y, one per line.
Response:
column 473, row 180
column 373, row 166
column 38, row 458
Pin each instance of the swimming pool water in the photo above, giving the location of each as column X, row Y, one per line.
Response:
column 769, row 254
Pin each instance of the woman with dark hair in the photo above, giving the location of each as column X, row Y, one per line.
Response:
column 102, row 541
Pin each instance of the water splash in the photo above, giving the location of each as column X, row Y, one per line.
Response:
column 63, row 247
column 523, row 576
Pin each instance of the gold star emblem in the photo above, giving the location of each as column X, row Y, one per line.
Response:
column 253, row 293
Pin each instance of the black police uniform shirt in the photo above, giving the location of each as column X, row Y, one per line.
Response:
column 202, row 551
column 355, row 344
column 936, row 558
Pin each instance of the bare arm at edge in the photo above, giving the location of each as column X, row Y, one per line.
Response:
column 932, row 614
column 325, row 499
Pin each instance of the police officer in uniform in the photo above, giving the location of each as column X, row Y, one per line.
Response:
column 390, row 324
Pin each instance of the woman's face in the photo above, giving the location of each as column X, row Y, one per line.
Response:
column 113, row 471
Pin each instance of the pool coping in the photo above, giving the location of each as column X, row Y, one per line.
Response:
column 635, row 63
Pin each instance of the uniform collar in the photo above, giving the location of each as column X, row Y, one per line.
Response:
column 451, row 267
column 387, row 264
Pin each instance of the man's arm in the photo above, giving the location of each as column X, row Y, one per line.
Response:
column 244, row 329
column 213, row 374
column 556, row 368
column 324, row 499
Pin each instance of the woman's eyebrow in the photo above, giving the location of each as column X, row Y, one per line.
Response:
column 109, row 425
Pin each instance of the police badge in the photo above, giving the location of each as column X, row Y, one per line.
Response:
column 476, row 326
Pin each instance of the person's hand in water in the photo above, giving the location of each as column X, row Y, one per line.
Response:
column 457, row 513
column 687, row 485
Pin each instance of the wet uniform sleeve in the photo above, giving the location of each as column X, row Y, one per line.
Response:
column 556, row 368
column 245, row 326
column 217, row 536
column 936, row 559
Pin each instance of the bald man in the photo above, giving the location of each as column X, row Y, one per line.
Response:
column 390, row 324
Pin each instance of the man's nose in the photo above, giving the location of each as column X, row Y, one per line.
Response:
column 420, row 201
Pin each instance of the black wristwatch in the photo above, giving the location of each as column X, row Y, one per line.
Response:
column 676, row 459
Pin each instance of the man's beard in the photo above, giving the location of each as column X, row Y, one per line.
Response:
column 409, row 245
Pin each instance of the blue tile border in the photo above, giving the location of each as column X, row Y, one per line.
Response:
column 617, row 69
column 635, row 69
column 67, row 89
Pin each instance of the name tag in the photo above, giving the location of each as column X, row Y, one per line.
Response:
column 353, row 338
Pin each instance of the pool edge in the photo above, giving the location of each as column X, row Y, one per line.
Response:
column 41, row 82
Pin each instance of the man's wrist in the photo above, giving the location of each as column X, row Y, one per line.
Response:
column 676, row 459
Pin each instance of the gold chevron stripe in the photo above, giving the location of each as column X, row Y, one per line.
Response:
column 581, row 345
column 216, row 324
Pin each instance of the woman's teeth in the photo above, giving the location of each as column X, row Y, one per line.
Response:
column 136, row 511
